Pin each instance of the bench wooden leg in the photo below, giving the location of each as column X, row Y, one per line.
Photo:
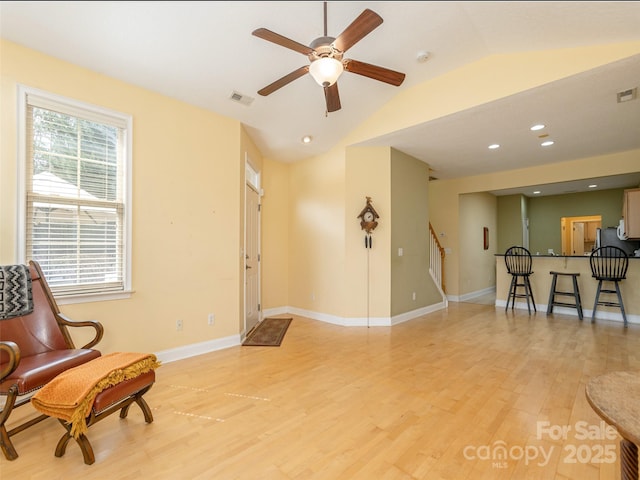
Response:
column 123, row 405
column 142, row 403
column 83, row 442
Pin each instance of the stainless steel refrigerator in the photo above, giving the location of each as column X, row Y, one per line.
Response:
column 609, row 236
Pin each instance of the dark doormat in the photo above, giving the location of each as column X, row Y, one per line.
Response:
column 268, row 333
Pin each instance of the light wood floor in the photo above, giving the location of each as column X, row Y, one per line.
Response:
column 432, row 398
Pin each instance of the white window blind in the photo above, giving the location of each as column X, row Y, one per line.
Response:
column 76, row 195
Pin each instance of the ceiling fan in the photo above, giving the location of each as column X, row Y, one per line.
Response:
column 326, row 56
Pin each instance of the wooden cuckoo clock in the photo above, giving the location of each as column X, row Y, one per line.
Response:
column 368, row 217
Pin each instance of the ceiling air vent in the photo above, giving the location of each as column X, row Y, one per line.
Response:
column 627, row 95
column 240, row 98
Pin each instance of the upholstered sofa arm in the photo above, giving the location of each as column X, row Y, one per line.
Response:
column 67, row 322
column 11, row 351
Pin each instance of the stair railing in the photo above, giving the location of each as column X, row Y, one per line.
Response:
column 436, row 260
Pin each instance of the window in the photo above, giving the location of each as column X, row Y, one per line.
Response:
column 75, row 181
column 251, row 175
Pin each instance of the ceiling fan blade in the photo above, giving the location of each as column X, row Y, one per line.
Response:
column 332, row 97
column 372, row 71
column 281, row 82
column 282, row 41
column 359, row 28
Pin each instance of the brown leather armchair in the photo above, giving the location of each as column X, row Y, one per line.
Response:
column 34, row 348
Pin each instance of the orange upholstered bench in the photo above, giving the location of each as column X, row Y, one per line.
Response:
column 79, row 400
column 119, row 397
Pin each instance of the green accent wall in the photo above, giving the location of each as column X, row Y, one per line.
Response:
column 410, row 231
column 544, row 215
column 510, row 215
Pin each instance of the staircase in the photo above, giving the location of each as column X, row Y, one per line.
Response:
column 436, row 263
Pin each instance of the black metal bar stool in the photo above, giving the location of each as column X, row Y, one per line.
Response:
column 518, row 262
column 575, row 293
column 609, row 264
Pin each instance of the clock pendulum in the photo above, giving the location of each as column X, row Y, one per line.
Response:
column 368, row 222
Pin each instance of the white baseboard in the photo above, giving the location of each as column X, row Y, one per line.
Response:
column 270, row 312
column 586, row 313
column 180, row 353
column 356, row 321
column 478, row 293
column 186, row 351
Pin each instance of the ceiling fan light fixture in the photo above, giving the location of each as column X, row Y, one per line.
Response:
column 326, row 70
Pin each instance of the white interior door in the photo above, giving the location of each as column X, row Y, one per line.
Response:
column 252, row 259
column 577, row 239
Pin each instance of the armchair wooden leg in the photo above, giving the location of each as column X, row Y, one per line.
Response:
column 7, row 447
column 5, row 440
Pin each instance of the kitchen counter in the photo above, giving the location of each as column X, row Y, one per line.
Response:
column 533, row 255
column 541, row 285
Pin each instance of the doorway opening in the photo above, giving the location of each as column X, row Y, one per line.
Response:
column 252, row 310
column 579, row 234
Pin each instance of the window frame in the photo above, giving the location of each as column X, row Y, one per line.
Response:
column 85, row 110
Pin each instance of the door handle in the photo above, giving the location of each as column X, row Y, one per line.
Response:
column 247, row 267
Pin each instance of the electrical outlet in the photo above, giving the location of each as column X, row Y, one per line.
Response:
column 211, row 318
column 178, row 325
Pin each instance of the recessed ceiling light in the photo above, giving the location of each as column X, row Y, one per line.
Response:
column 494, row 146
column 536, row 192
column 539, row 126
column 307, row 139
column 547, row 143
column 593, row 185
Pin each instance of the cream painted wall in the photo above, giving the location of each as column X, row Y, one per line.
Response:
column 186, row 204
column 362, row 280
column 367, row 175
column 477, row 210
column 317, row 231
column 275, row 234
